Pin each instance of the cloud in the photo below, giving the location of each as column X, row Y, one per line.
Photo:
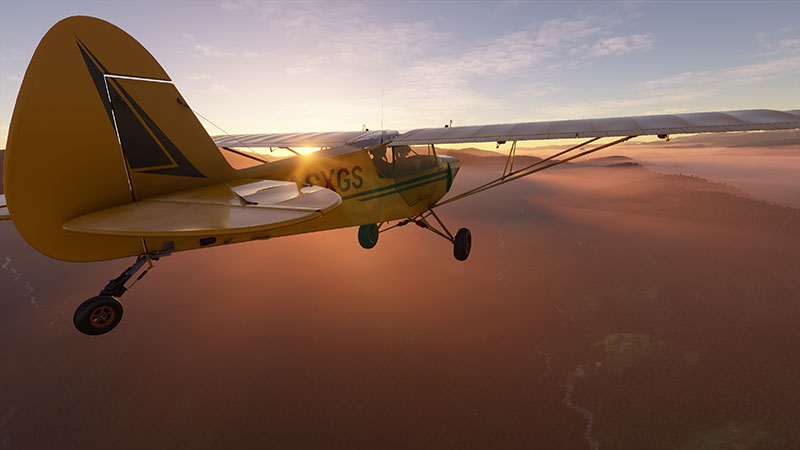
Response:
column 10, row 55
column 209, row 51
column 213, row 84
column 753, row 73
column 537, row 89
column 780, row 57
column 308, row 16
column 620, row 45
column 348, row 35
column 221, row 88
column 732, row 76
column 432, row 73
column 198, row 76
column 672, row 93
column 642, row 104
column 442, row 86
column 789, row 44
column 521, row 51
column 781, row 42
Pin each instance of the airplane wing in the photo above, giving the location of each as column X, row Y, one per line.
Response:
column 220, row 209
column 662, row 124
column 315, row 139
column 4, row 215
column 622, row 128
column 666, row 124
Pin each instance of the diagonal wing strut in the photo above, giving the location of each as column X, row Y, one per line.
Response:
column 509, row 174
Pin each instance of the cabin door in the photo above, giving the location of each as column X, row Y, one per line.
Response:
column 416, row 172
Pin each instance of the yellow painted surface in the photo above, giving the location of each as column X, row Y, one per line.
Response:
column 213, row 210
column 63, row 159
column 67, row 179
column 178, row 122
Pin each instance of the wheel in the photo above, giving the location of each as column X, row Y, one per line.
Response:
column 462, row 244
column 368, row 235
column 98, row 315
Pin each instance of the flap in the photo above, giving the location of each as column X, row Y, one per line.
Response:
column 244, row 206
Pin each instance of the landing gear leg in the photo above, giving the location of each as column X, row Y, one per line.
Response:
column 102, row 313
column 462, row 241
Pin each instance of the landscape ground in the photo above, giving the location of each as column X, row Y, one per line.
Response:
column 604, row 305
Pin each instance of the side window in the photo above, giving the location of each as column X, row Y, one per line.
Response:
column 382, row 158
column 409, row 160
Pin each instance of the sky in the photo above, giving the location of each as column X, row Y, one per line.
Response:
column 256, row 67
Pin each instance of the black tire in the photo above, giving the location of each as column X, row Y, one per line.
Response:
column 462, row 244
column 98, row 315
column 368, row 235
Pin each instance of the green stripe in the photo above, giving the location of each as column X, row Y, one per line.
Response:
column 393, row 186
column 443, row 177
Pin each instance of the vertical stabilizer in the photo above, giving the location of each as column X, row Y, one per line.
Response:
column 98, row 123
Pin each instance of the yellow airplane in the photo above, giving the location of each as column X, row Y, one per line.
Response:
column 105, row 159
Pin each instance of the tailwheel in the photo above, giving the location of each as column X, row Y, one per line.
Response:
column 98, row 315
column 368, row 235
column 462, row 244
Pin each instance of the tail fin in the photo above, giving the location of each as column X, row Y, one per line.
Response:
column 98, row 123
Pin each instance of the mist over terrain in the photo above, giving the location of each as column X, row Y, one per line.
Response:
column 638, row 300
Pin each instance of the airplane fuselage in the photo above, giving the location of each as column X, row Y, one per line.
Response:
column 405, row 187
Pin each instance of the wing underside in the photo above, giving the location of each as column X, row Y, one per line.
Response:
column 709, row 122
column 247, row 206
column 622, row 129
column 314, row 139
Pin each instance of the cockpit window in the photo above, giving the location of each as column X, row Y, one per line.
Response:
column 382, row 159
column 402, row 160
column 409, row 160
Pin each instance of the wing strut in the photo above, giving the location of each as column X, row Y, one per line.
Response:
column 246, row 155
column 509, row 174
column 422, row 222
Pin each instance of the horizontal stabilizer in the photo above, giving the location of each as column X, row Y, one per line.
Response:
column 709, row 122
column 4, row 215
column 244, row 206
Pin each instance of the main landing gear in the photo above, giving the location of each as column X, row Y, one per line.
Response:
column 462, row 244
column 102, row 313
column 368, row 235
column 462, row 241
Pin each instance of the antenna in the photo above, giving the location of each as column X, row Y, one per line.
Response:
column 381, row 109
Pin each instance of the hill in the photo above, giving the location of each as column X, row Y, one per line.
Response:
column 610, row 305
